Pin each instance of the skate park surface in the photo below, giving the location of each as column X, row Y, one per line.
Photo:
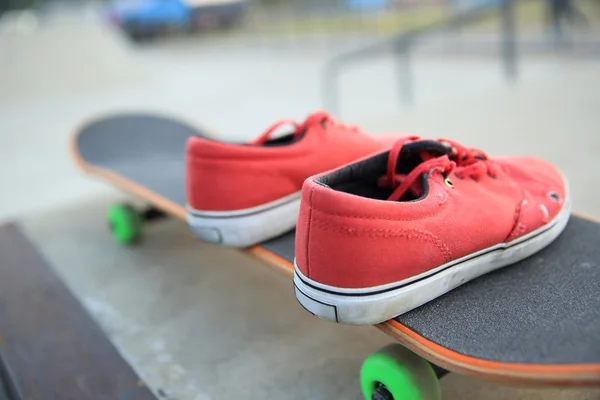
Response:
column 201, row 322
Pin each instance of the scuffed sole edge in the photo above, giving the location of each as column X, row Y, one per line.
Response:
column 244, row 228
column 369, row 308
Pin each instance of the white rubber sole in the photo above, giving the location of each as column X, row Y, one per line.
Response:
column 244, row 228
column 378, row 304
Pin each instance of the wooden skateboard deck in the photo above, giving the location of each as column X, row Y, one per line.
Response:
column 535, row 322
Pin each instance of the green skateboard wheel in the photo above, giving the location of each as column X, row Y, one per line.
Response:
column 125, row 222
column 396, row 373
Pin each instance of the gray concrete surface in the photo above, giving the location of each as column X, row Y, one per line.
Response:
column 199, row 322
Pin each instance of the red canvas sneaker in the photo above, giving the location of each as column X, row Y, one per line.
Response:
column 392, row 231
column 240, row 195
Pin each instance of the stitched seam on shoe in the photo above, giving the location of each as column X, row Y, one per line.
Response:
column 310, row 222
column 249, row 171
column 440, row 201
column 371, row 218
column 220, row 157
column 427, row 215
column 389, row 233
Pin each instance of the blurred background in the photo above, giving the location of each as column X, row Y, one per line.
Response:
column 469, row 69
column 507, row 76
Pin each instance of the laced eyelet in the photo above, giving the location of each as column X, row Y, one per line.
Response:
column 459, row 176
column 474, row 179
column 492, row 176
column 554, row 196
column 448, row 182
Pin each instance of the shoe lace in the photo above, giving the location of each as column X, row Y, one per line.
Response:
column 471, row 162
column 463, row 162
column 317, row 117
column 266, row 135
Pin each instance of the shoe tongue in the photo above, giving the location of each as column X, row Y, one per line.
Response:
column 432, row 148
column 412, row 155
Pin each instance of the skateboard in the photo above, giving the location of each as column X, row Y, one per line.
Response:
column 536, row 322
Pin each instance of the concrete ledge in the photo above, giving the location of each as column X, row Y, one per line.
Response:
column 52, row 346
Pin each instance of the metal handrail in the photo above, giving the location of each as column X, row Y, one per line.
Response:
column 402, row 44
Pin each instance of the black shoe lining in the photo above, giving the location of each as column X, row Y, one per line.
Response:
column 361, row 178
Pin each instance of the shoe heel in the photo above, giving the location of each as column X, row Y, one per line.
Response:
column 316, row 307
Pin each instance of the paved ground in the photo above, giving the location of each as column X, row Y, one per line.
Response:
column 199, row 322
column 169, row 305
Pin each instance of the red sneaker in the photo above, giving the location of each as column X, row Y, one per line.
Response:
column 240, row 195
column 386, row 234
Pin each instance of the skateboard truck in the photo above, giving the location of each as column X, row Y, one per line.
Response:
column 152, row 214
